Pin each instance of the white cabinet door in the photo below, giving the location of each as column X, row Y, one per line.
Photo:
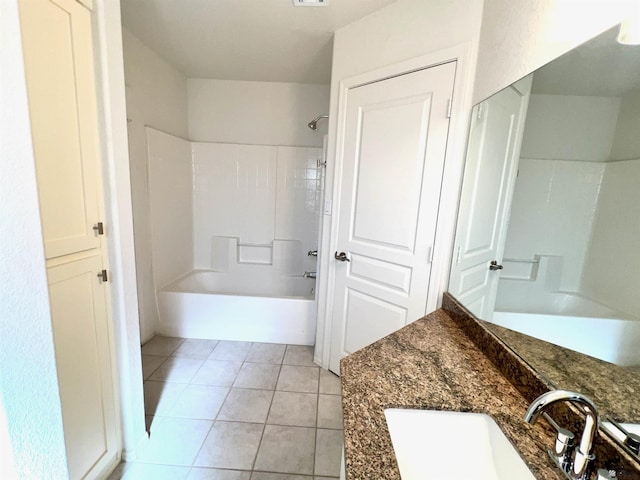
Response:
column 57, row 43
column 493, row 151
column 81, row 336
column 393, row 158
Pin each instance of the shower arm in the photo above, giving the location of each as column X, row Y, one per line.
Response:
column 313, row 124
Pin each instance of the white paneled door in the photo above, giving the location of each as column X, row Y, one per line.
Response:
column 493, row 151
column 392, row 163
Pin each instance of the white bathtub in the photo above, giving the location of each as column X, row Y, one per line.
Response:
column 576, row 323
column 224, row 306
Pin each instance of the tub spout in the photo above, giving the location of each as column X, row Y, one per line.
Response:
column 309, row 275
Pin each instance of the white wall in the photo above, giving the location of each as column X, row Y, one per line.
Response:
column 567, row 127
column 626, row 145
column 519, row 36
column 29, row 393
column 256, row 113
column 156, row 97
column 171, row 205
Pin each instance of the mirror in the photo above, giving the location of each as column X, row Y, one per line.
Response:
column 547, row 248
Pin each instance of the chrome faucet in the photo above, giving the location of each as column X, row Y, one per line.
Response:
column 309, row 274
column 578, row 467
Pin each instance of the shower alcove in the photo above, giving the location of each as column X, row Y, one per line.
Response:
column 231, row 226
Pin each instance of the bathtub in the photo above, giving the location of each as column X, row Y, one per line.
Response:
column 224, row 306
column 576, row 323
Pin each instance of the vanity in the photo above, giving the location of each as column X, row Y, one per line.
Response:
column 542, row 288
column 450, row 361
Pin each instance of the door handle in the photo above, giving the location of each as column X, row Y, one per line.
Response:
column 341, row 257
column 494, row 266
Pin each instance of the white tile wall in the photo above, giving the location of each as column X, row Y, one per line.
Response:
column 552, row 213
column 170, row 192
column 258, row 194
column 299, row 198
column 234, row 196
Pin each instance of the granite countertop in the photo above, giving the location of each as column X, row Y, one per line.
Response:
column 614, row 389
column 429, row 364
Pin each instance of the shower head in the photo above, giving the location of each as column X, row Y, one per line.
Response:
column 313, row 124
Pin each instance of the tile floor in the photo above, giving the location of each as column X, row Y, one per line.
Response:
column 221, row 410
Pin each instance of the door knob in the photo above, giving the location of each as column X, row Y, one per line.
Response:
column 341, row 256
column 494, row 266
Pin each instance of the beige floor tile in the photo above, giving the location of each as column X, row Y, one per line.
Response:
column 141, row 471
column 199, row 401
column 330, row 411
column 161, row 345
column 266, row 353
column 217, row 372
column 298, row 379
column 286, row 450
column 294, row 409
column 230, row 445
column 195, row 348
column 150, row 364
column 329, row 382
column 235, row 351
column 328, row 452
column 300, row 355
column 257, row 375
column 177, row 370
column 277, row 476
column 160, row 397
column 174, row 441
column 246, row 405
column 217, row 474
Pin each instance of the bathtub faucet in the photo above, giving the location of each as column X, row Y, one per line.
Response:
column 580, row 466
column 309, row 275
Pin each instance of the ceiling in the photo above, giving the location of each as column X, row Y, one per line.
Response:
column 599, row 67
column 260, row 40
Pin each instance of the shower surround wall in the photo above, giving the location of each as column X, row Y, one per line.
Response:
column 256, row 195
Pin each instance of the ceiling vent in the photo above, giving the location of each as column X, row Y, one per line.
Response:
column 310, row 3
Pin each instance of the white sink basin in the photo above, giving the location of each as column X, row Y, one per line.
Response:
column 435, row 445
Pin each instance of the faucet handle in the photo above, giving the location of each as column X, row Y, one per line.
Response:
column 563, row 448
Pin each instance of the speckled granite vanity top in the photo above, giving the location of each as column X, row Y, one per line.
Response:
column 614, row 389
column 448, row 360
column 430, row 364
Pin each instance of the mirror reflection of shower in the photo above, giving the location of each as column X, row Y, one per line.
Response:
column 313, row 124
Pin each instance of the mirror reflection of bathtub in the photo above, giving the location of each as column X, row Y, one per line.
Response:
column 532, row 303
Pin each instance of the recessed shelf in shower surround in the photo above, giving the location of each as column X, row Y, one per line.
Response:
column 284, row 256
column 256, row 253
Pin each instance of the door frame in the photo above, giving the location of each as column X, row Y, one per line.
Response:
column 464, row 55
column 110, row 90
